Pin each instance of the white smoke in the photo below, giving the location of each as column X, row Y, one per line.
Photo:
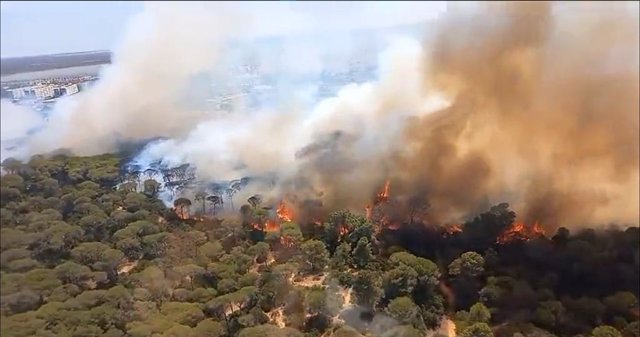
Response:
column 148, row 91
column 16, row 123
column 265, row 141
column 162, row 74
column 173, row 55
column 138, row 96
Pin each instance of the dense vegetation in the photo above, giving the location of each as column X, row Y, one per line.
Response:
column 83, row 255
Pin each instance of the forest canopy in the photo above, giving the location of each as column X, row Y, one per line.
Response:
column 88, row 252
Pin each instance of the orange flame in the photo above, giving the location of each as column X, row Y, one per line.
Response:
column 448, row 294
column 270, row 226
column 519, row 231
column 537, row 229
column 452, row 229
column 393, row 226
column 273, row 225
column 286, row 241
column 285, row 214
column 383, row 195
column 343, row 231
column 181, row 212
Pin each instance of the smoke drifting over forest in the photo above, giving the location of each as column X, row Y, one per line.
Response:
column 531, row 104
column 545, row 114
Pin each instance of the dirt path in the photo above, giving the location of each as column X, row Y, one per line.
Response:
column 277, row 317
column 308, row 281
column 126, row 267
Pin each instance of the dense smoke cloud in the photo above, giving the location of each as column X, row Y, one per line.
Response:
column 528, row 103
column 545, row 114
column 138, row 97
column 321, row 152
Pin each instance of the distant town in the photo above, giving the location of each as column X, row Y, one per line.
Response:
column 38, row 81
column 40, row 94
column 48, row 89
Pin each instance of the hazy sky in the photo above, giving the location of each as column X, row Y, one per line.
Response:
column 34, row 28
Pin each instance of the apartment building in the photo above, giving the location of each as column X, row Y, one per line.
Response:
column 44, row 91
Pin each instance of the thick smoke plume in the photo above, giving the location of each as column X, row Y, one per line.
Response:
column 139, row 96
column 529, row 103
column 544, row 114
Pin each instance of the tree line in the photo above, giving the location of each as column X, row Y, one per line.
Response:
column 82, row 253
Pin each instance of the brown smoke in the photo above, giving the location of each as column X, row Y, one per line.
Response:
column 545, row 115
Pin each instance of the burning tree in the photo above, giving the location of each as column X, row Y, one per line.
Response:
column 181, row 206
column 345, row 226
column 380, row 198
column 390, row 213
column 290, row 240
column 481, row 232
column 451, row 230
column 259, row 219
column 521, row 232
column 417, row 208
column 284, row 213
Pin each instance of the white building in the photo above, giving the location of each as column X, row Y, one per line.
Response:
column 44, row 91
column 71, row 89
column 22, row 92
